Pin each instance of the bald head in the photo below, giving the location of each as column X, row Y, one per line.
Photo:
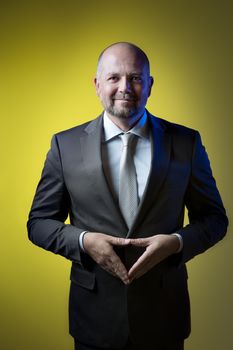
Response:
column 122, row 49
column 123, row 82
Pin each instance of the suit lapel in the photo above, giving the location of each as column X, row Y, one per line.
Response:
column 92, row 162
column 161, row 147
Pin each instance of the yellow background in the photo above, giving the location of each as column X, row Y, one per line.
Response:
column 48, row 59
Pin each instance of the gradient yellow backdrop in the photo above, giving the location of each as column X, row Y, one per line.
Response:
column 48, row 59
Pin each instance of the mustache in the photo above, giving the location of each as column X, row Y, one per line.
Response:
column 127, row 97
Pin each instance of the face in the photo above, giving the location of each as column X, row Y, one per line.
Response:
column 123, row 83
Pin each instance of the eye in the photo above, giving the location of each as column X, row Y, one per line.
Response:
column 136, row 78
column 113, row 78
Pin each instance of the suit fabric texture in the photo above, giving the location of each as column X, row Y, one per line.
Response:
column 103, row 312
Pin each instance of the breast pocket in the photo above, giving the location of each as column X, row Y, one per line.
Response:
column 177, row 176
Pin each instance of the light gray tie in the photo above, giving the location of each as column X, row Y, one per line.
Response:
column 128, row 194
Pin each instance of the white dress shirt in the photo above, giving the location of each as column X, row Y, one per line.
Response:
column 112, row 149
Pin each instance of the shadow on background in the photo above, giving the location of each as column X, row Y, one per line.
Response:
column 48, row 59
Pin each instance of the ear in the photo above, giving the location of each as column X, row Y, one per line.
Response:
column 96, row 82
column 151, row 82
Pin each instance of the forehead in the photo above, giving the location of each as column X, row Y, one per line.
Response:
column 122, row 60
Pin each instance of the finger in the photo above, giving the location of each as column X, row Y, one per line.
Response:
column 139, row 266
column 121, row 272
column 114, row 265
column 140, row 271
column 119, row 241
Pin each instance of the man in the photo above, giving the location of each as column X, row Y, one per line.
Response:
column 124, row 180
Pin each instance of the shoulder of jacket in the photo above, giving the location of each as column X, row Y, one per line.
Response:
column 77, row 130
column 174, row 127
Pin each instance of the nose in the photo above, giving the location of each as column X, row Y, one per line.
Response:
column 125, row 85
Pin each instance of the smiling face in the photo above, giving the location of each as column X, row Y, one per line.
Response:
column 123, row 81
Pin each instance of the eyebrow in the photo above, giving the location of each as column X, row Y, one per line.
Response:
column 132, row 73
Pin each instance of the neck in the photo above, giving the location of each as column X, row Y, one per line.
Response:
column 125, row 124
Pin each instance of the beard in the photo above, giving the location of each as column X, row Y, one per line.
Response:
column 121, row 111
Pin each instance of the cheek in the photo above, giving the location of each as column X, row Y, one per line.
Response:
column 106, row 93
column 139, row 92
column 143, row 93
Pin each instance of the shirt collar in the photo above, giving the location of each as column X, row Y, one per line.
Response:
column 111, row 130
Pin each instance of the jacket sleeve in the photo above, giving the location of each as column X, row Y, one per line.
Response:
column 50, row 209
column 207, row 217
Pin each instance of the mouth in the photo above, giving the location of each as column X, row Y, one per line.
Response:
column 124, row 99
column 124, row 102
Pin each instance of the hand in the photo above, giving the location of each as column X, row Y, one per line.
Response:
column 158, row 248
column 100, row 247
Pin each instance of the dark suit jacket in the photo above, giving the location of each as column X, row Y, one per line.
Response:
column 154, row 308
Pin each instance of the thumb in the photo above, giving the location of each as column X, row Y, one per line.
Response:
column 139, row 242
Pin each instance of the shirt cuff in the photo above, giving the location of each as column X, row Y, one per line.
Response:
column 81, row 240
column 181, row 242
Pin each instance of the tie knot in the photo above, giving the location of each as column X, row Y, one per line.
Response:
column 127, row 138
